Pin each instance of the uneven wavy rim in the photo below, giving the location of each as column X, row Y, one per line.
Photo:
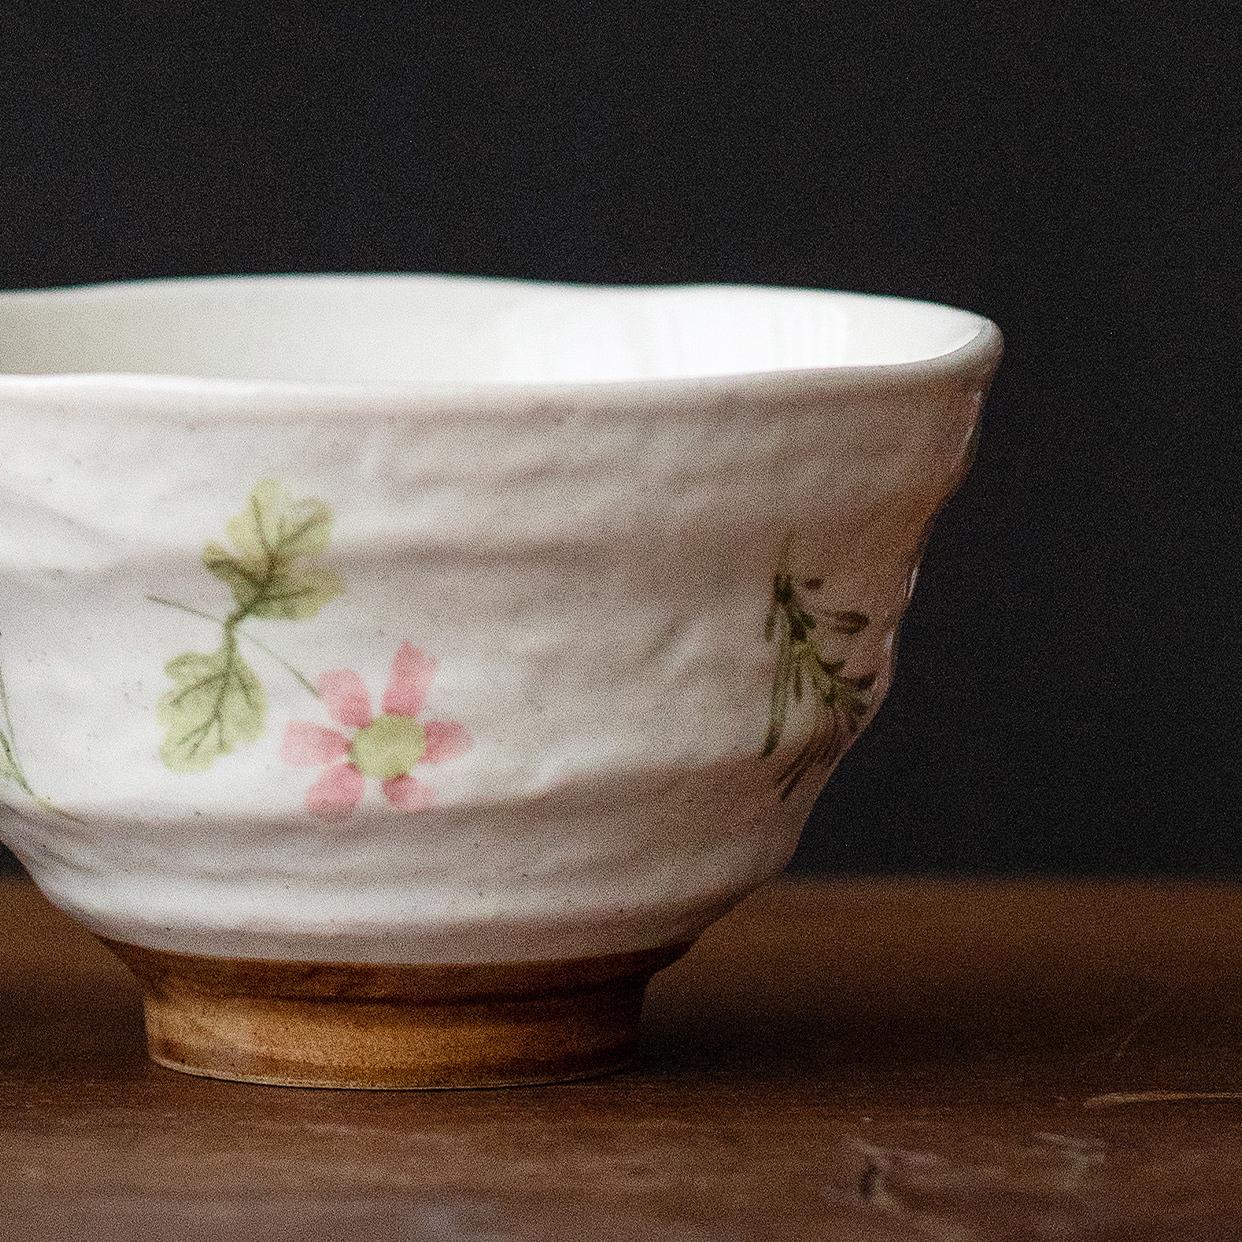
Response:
column 977, row 355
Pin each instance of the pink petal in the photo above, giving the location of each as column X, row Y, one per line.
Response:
column 445, row 740
column 335, row 794
column 412, row 671
column 309, row 745
column 408, row 794
column 346, row 698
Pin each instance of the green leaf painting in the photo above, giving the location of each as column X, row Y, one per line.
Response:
column 217, row 701
column 806, row 672
column 270, row 569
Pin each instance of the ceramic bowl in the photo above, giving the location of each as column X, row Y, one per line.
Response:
column 397, row 670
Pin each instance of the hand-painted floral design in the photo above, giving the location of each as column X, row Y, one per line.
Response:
column 386, row 748
column 839, row 702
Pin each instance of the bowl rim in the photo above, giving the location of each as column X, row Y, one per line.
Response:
column 978, row 354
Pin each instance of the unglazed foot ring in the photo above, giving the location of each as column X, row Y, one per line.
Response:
column 382, row 1026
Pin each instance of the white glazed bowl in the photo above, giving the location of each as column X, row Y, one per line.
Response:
column 418, row 621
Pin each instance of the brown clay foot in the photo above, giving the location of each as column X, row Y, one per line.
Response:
column 312, row 1024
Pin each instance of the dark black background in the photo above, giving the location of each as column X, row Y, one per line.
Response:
column 1063, row 699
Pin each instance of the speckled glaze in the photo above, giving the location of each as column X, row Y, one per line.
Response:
column 545, row 523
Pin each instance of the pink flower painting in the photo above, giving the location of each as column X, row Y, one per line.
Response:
column 387, row 748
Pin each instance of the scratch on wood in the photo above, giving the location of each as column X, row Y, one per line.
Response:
column 1126, row 1036
column 1080, row 1157
column 870, row 1182
column 873, row 1188
column 1142, row 1020
column 1116, row 1099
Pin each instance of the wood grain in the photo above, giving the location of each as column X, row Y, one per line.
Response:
column 860, row 1060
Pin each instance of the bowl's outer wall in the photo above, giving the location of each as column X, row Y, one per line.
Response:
column 591, row 572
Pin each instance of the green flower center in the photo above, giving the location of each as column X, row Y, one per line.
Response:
column 388, row 747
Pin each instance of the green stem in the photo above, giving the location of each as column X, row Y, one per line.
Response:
column 48, row 805
column 229, row 625
column 13, row 769
column 8, row 743
column 11, row 746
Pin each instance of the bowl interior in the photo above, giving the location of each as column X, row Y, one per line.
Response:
column 459, row 330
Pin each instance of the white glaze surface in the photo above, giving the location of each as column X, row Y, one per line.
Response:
column 589, row 564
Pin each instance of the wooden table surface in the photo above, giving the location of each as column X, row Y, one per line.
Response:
column 908, row 1059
